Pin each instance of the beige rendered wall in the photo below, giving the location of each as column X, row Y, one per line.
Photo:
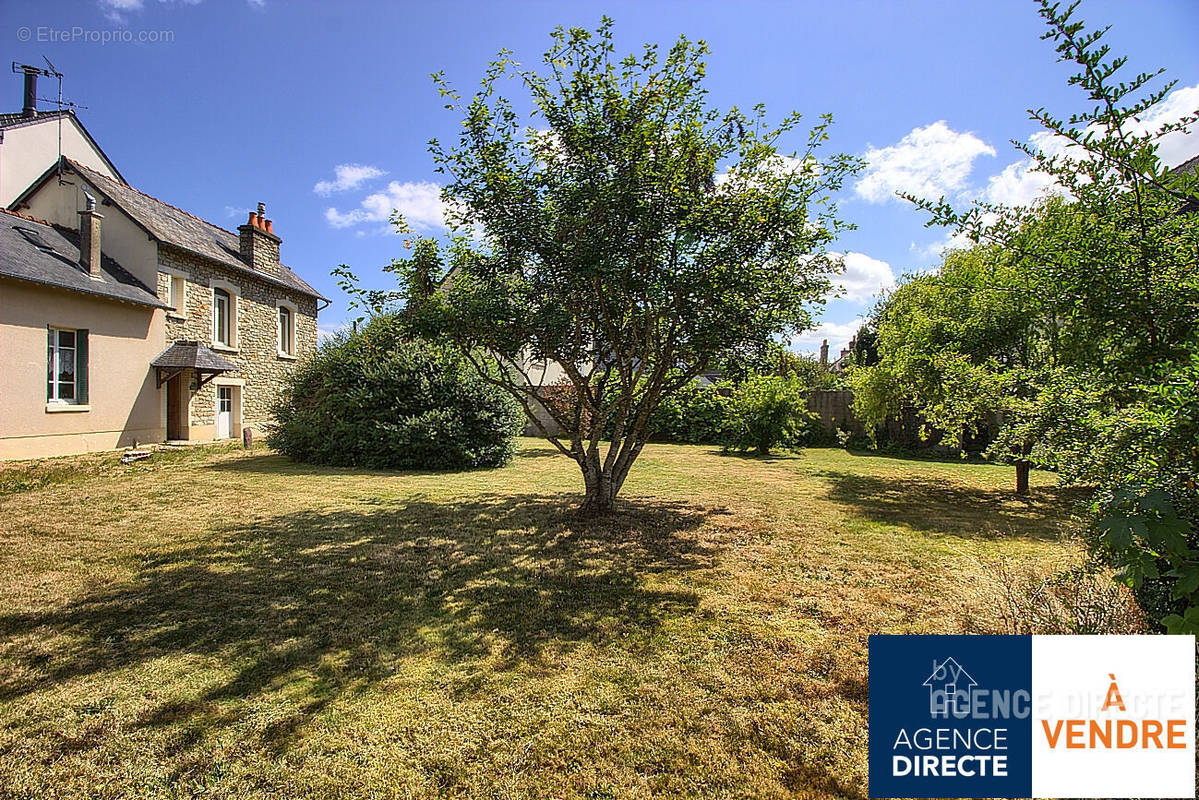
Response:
column 29, row 150
column 124, row 402
column 121, row 238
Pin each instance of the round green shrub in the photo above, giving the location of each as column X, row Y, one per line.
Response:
column 768, row 411
column 377, row 399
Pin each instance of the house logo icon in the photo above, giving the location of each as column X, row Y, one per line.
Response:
column 950, row 689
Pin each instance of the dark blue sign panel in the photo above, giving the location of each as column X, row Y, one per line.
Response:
column 949, row 716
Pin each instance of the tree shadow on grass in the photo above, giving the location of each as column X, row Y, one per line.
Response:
column 275, row 464
column 928, row 504
column 772, row 457
column 326, row 603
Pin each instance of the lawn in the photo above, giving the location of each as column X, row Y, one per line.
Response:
column 223, row 623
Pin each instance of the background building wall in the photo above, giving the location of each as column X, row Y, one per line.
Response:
column 121, row 239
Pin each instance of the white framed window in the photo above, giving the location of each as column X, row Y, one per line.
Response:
column 177, row 294
column 66, row 366
column 286, row 328
column 224, row 315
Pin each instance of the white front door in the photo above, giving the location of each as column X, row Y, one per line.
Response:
column 224, row 412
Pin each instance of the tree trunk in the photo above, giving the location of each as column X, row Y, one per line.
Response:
column 603, row 486
column 599, row 500
column 601, row 493
column 1022, row 470
column 1023, row 467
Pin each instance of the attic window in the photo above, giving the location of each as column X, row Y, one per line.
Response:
column 35, row 238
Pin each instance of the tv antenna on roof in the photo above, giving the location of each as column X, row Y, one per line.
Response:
column 50, row 71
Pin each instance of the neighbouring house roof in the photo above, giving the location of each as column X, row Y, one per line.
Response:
column 1190, row 165
column 191, row 354
column 38, row 252
column 17, row 119
column 174, row 226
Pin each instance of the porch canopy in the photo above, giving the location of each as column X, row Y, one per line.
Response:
column 185, row 355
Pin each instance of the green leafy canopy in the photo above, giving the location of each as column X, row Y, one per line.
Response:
column 622, row 229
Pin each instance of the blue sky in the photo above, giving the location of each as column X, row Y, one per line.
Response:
column 264, row 100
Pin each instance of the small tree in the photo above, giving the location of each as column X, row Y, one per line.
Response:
column 630, row 235
column 768, row 411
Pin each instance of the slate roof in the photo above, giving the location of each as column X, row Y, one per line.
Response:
column 15, row 119
column 174, row 226
column 1191, row 165
column 38, row 252
column 192, row 354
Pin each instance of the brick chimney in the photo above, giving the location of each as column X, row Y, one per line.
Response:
column 258, row 243
column 89, row 238
column 30, row 109
column 824, row 352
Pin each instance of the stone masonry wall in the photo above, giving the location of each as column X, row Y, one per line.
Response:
column 262, row 368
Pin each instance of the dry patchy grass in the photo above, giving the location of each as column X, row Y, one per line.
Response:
column 230, row 624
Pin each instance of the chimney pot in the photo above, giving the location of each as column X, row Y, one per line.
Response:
column 258, row 244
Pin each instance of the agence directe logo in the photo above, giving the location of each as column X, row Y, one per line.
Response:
column 1021, row 716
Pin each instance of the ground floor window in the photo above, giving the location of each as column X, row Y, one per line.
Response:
column 66, row 365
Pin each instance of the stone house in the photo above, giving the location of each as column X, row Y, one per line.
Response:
column 124, row 319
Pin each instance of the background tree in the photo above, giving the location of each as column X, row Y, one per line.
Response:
column 961, row 347
column 1109, row 277
column 630, row 233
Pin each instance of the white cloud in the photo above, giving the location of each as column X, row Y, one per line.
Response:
column 346, row 177
column 325, row 332
column 952, row 240
column 116, row 10
column 838, row 335
column 237, row 211
column 864, row 277
column 419, row 201
column 1177, row 147
column 929, row 162
column 934, row 250
column 1018, row 184
column 776, row 165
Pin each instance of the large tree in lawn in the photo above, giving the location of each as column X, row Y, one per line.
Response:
column 623, row 229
